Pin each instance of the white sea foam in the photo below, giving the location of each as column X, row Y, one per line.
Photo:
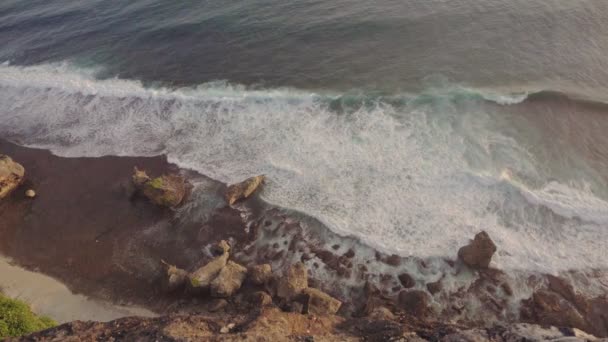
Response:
column 417, row 179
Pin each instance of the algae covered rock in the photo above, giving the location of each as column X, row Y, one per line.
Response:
column 479, row 252
column 243, row 189
column 202, row 277
column 11, row 175
column 166, row 190
column 229, row 280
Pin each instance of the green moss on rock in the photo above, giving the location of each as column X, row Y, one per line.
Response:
column 17, row 319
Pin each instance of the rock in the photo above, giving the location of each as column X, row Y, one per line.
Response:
column 260, row 274
column 202, row 277
column 11, row 175
column 30, row 193
column 434, row 287
column 243, row 189
column 176, row 277
column 261, row 298
column 479, row 252
column 229, row 280
column 414, row 302
column 292, row 285
column 318, row 302
column 226, row 329
column 217, row 305
column 549, row 308
column 166, row 190
column 382, row 313
column 406, row 280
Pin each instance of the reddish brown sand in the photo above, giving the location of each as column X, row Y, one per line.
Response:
column 85, row 230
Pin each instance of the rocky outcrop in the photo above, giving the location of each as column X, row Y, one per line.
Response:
column 229, row 280
column 260, row 274
column 243, row 189
column 559, row 305
column 202, row 277
column 478, row 253
column 318, row 302
column 11, row 175
column 291, row 286
column 166, row 190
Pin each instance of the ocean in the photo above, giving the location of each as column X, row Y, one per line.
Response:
column 410, row 125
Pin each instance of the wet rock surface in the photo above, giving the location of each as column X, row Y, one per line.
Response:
column 479, row 252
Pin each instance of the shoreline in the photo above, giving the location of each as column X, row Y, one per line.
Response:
column 87, row 230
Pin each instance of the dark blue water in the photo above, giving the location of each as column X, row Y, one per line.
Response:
column 388, row 45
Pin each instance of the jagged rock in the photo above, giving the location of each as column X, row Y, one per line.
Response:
column 292, row 285
column 229, row 280
column 11, row 175
column 318, row 302
column 30, row 193
column 227, row 328
column 176, row 277
column 551, row 309
column 478, row 253
column 166, row 190
column 406, row 280
column 260, row 274
column 243, row 189
column 202, row 277
column 415, row 302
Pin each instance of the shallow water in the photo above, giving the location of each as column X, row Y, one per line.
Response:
column 51, row 298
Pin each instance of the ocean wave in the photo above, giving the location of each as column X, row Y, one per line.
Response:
column 390, row 172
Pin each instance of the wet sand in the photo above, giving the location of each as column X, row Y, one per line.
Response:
column 49, row 297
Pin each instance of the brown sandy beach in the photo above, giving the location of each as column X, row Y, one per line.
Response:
column 90, row 230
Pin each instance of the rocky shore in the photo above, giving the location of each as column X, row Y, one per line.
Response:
column 219, row 264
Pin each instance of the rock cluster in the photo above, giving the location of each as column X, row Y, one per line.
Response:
column 11, row 175
column 166, row 190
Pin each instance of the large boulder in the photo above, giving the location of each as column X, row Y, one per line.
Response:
column 478, row 253
column 11, row 175
column 166, row 190
column 202, row 277
column 291, row 286
column 229, row 280
column 243, row 189
column 318, row 302
column 260, row 274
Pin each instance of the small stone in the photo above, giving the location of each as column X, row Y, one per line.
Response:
column 227, row 328
column 217, row 305
column 393, row 260
column 320, row 303
column 293, row 284
column 261, row 298
column 434, row 287
column 30, row 193
column 202, row 277
column 406, row 280
column 381, row 313
column 415, row 302
column 260, row 274
column 229, row 280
